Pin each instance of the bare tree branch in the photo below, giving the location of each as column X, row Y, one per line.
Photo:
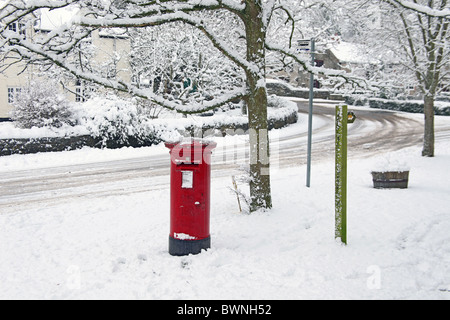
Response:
column 306, row 65
column 169, row 18
column 442, row 12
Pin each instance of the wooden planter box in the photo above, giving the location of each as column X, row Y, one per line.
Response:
column 390, row 179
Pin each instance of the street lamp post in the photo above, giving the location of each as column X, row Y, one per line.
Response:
column 310, row 113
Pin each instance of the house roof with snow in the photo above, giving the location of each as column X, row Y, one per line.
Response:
column 356, row 53
column 352, row 53
column 53, row 19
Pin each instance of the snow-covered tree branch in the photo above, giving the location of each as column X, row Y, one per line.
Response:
column 440, row 11
column 412, row 40
column 239, row 31
column 341, row 76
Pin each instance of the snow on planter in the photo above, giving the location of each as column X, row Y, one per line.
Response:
column 390, row 172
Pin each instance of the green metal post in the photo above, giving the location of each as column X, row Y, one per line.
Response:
column 341, row 174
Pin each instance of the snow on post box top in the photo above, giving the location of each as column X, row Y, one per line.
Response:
column 193, row 151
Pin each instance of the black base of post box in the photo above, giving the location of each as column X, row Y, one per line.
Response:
column 184, row 247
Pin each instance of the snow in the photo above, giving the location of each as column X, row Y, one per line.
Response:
column 183, row 236
column 9, row 131
column 54, row 19
column 391, row 162
column 70, row 158
column 352, row 53
column 114, row 245
column 427, row 10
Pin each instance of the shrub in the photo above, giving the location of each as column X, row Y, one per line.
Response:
column 118, row 122
column 41, row 104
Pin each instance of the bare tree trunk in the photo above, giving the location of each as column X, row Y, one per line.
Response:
column 432, row 37
column 431, row 86
column 428, row 142
column 260, row 192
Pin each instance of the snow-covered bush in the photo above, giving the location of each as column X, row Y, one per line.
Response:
column 41, row 104
column 122, row 122
column 119, row 122
column 276, row 102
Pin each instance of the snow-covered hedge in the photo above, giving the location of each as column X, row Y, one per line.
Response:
column 281, row 113
column 286, row 90
column 412, row 106
column 112, row 122
column 117, row 122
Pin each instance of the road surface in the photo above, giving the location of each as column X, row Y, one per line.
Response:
column 373, row 131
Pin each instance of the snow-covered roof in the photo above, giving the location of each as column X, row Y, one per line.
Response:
column 53, row 19
column 352, row 53
column 3, row 3
column 113, row 33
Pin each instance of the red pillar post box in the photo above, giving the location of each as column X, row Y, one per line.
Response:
column 190, row 184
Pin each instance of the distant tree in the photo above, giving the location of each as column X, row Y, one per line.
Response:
column 413, row 36
column 425, row 36
column 176, row 62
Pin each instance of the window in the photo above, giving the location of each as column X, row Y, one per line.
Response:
column 18, row 27
column 12, row 93
column 319, row 63
column 79, row 91
column 317, row 84
column 13, row 27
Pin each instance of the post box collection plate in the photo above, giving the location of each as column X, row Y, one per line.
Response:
column 187, row 179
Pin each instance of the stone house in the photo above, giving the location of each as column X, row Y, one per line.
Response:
column 110, row 51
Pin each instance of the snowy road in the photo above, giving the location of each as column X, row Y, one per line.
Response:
column 374, row 131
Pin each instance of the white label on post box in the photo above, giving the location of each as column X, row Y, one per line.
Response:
column 187, row 179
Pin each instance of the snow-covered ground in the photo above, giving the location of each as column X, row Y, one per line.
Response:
column 114, row 246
